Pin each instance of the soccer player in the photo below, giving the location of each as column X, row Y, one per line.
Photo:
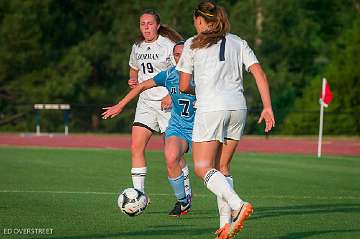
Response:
column 216, row 58
column 177, row 135
column 151, row 53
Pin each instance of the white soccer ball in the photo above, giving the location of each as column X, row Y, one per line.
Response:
column 132, row 202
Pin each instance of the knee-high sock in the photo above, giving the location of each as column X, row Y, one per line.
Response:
column 178, row 187
column 224, row 208
column 138, row 177
column 185, row 171
column 217, row 183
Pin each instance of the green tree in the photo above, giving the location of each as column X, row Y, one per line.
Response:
column 343, row 74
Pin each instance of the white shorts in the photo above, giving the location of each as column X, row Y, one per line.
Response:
column 149, row 115
column 219, row 125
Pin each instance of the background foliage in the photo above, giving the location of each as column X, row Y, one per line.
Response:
column 77, row 52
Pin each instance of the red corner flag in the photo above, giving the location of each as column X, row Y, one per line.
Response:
column 325, row 98
column 326, row 95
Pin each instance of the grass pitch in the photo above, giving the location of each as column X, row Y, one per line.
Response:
column 74, row 193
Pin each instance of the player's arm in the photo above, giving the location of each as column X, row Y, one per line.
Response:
column 114, row 110
column 133, row 81
column 263, row 87
column 166, row 102
column 185, row 66
column 185, row 83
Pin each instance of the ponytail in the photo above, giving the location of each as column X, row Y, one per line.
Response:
column 217, row 21
column 169, row 33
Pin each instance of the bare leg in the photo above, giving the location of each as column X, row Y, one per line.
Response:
column 227, row 152
column 140, row 136
column 174, row 150
column 204, row 156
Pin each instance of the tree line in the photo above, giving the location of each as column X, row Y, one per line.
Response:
column 77, row 52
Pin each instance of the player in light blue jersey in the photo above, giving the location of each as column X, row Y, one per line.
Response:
column 178, row 134
column 182, row 112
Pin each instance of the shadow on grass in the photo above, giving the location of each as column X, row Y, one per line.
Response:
column 313, row 234
column 169, row 231
column 265, row 212
column 292, row 210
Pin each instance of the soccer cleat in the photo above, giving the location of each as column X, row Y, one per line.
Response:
column 180, row 209
column 239, row 216
column 222, row 231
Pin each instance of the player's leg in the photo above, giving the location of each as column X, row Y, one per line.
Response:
column 204, row 154
column 209, row 131
column 175, row 147
column 226, row 154
column 139, row 138
column 186, row 172
column 145, row 123
column 223, row 165
column 208, row 138
column 186, row 134
column 233, row 134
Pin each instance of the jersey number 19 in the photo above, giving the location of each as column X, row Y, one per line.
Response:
column 148, row 67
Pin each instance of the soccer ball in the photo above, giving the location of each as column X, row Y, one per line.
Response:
column 132, row 202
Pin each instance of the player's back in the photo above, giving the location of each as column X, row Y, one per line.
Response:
column 217, row 72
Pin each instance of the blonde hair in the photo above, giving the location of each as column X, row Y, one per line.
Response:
column 163, row 30
column 217, row 21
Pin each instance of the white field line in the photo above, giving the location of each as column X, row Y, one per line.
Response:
column 195, row 195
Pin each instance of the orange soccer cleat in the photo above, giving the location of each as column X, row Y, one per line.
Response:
column 222, row 232
column 239, row 216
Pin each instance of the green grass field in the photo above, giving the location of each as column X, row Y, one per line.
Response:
column 74, row 192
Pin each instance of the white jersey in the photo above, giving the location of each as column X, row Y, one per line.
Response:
column 149, row 59
column 217, row 72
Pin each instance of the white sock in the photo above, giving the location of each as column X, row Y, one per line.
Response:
column 138, row 177
column 185, row 171
column 217, row 183
column 224, row 208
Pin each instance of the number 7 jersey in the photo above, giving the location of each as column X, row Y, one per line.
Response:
column 183, row 111
column 149, row 59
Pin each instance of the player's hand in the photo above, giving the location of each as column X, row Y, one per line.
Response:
column 112, row 111
column 166, row 103
column 268, row 116
column 132, row 82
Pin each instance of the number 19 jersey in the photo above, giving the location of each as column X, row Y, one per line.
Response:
column 149, row 59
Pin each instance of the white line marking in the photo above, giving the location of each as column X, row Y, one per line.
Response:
column 195, row 195
column 56, row 192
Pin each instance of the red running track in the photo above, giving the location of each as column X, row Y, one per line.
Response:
column 331, row 146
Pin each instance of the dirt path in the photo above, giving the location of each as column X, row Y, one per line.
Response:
column 289, row 145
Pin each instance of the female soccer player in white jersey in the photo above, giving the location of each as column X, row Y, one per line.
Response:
column 177, row 135
column 216, row 59
column 151, row 53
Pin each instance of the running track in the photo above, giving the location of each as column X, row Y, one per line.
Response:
column 290, row 145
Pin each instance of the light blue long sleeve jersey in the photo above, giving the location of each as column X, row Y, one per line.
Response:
column 183, row 111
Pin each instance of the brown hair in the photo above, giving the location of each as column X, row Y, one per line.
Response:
column 218, row 22
column 164, row 30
